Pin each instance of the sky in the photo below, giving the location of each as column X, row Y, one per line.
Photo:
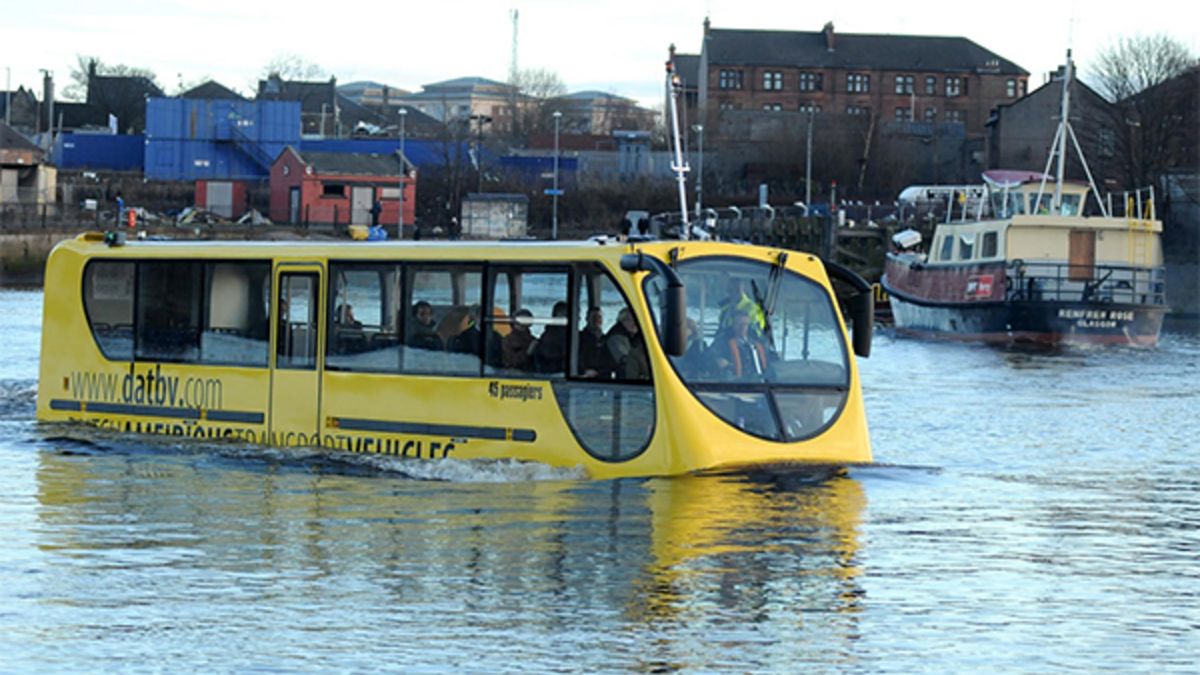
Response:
column 615, row 46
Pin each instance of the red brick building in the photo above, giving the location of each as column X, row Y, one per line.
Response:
column 325, row 188
column 890, row 77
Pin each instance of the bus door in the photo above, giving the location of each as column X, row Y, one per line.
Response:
column 295, row 375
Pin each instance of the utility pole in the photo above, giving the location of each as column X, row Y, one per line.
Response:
column 699, row 129
column 808, row 164
column 403, row 173
column 554, row 222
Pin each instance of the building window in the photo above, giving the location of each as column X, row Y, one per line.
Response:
column 810, row 108
column 731, row 79
column 931, row 114
column 857, row 110
column 1107, row 142
column 811, row 81
column 930, row 85
column 726, row 105
column 959, row 116
column 773, row 80
column 953, row 86
column 1010, row 87
column 858, row 83
column 904, row 114
column 905, row 84
column 773, row 107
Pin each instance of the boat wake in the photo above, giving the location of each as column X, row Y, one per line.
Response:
column 18, row 399
column 74, row 439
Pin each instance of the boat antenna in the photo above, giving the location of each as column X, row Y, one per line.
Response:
column 679, row 164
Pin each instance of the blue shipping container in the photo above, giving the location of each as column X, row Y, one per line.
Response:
column 99, row 152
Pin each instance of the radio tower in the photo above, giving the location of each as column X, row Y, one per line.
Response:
column 512, row 64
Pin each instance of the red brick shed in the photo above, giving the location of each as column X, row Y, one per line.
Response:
column 339, row 189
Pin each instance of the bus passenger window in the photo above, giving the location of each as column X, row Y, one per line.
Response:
column 296, row 342
column 442, row 328
column 237, row 315
column 170, row 295
column 611, row 344
column 363, row 320
column 108, row 303
column 530, row 321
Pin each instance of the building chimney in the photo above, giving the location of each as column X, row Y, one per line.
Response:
column 48, row 99
column 707, row 26
column 828, row 30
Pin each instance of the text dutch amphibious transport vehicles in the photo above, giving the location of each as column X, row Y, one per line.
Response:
column 592, row 354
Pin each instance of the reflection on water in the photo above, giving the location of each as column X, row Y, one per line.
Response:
column 141, row 536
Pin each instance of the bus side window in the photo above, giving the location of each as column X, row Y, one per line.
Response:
column 362, row 323
column 530, row 321
column 451, row 342
column 108, row 302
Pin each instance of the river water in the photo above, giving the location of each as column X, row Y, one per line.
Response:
column 1036, row 513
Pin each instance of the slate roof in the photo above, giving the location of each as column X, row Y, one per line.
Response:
column 465, row 83
column 311, row 95
column 727, row 47
column 9, row 138
column 341, row 164
column 213, row 90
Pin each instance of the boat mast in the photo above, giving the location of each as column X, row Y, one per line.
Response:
column 1060, row 149
column 1061, row 137
column 679, row 165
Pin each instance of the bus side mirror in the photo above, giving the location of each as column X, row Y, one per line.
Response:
column 675, row 313
column 859, row 308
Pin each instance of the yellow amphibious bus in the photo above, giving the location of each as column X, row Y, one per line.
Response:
column 623, row 358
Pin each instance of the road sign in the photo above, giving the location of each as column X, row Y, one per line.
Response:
column 553, row 192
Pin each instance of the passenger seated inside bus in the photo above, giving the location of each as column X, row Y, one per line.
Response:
column 550, row 352
column 627, row 346
column 469, row 340
column 594, row 360
column 422, row 332
column 344, row 315
column 517, row 346
column 696, row 360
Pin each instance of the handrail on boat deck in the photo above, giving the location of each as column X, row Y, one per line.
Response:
column 1038, row 281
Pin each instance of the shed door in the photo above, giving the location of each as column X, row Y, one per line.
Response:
column 294, row 205
column 360, row 205
column 220, row 198
column 1081, row 255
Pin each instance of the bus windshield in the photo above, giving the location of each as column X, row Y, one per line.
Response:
column 765, row 349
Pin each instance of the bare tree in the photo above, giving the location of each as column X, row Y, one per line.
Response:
column 534, row 96
column 1151, row 82
column 293, row 67
column 83, row 68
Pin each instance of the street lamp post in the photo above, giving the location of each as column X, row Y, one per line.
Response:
column 554, row 221
column 808, row 164
column 699, row 129
column 403, row 172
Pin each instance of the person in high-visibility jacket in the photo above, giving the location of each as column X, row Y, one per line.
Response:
column 736, row 299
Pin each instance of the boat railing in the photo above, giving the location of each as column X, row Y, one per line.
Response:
column 1064, row 282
